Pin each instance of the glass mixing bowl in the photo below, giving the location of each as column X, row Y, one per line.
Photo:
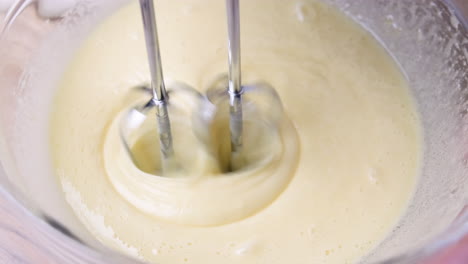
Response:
column 428, row 39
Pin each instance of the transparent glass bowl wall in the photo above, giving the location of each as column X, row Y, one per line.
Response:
column 425, row 38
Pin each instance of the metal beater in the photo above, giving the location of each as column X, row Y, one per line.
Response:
column 137, row 115
column 261, row 101
column 234, row 85
column 159, row 101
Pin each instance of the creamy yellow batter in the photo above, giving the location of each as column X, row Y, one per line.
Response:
column 338, row 179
